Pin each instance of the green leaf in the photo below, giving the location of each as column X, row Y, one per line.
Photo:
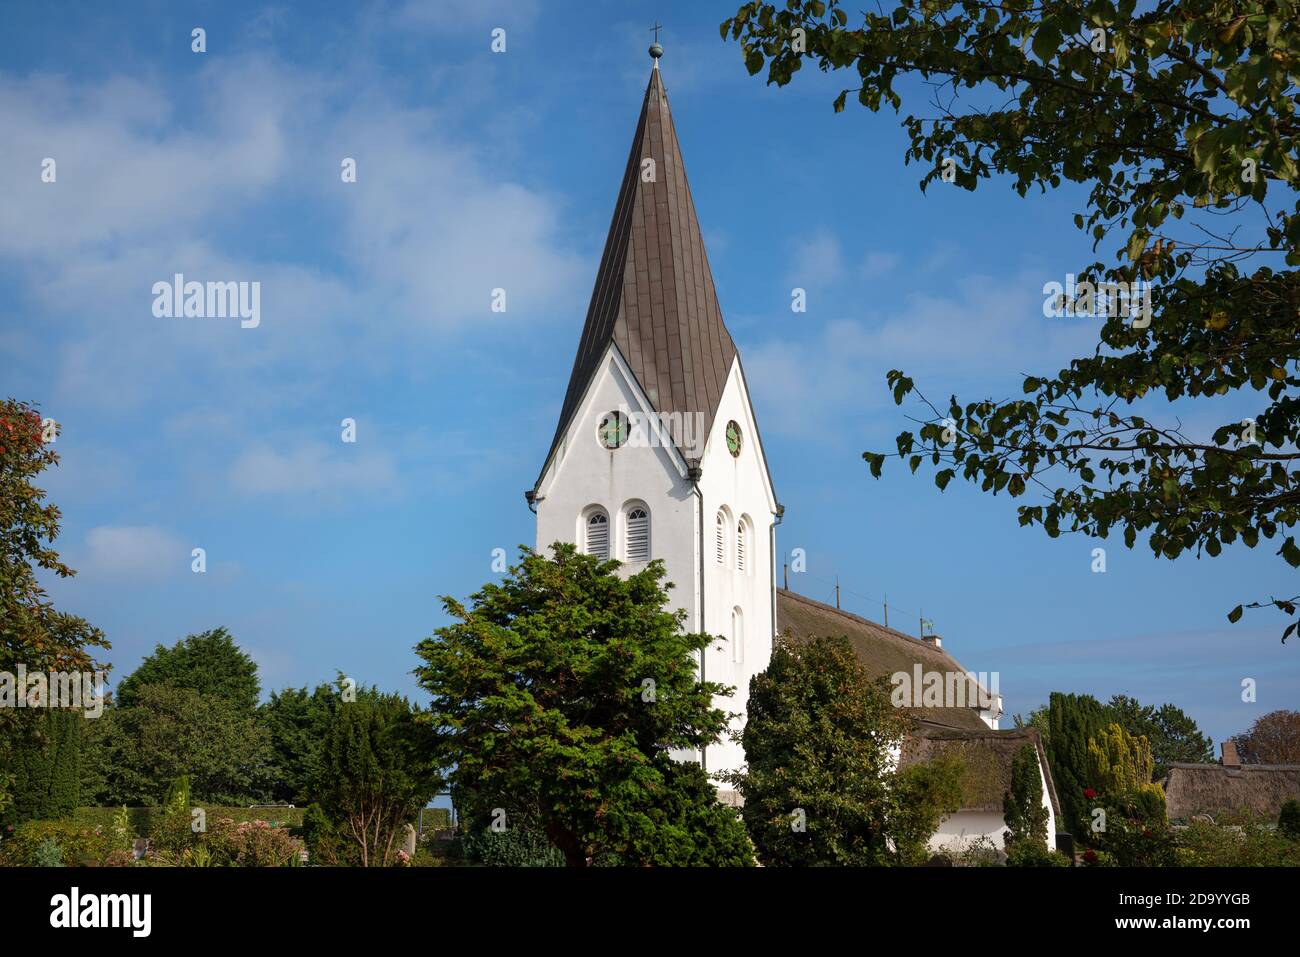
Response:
column 1235, row 615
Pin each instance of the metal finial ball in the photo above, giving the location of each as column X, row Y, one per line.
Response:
column 656, row 50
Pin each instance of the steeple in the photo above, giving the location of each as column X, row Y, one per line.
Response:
column 654, row 296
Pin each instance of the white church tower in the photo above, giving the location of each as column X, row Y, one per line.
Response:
column 657, row 453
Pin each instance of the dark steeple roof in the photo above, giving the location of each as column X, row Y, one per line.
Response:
column 654, row 296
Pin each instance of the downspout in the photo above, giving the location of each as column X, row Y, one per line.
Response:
column 779, row 515
column 694, row 473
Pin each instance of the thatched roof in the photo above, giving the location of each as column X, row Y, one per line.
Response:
column 882, row 651
column 1193, row 789
column 987, row 754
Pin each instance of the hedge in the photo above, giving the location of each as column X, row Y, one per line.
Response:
column 142, row 817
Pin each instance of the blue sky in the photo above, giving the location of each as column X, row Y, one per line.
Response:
column 477, row 171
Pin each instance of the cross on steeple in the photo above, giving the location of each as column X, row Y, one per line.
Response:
column 656, row 51
column 655, row 30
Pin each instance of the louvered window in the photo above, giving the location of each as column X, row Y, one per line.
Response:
column 740, row 546
column 597, row 543
column 721, row 537
column 638, row 535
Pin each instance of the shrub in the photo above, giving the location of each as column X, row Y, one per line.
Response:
column 1288, row 821
column 1031, row 853
column 325, row 842
column 247, row 844
column 77, row 846
column 1252, row 843
column 523, row 844
column 48, row 854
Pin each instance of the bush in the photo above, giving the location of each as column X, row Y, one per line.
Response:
column 523, row 844
column 77, row 846
column 326, row 844
column 1252, row 843
column 248, row 844
column 1288, row 821
column 1030, row 853
column 48, row 854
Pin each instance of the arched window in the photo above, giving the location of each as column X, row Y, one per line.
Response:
column 737, row 635
column 740, row 545
column 596, row 534
column 636, row 542
column 720, row 537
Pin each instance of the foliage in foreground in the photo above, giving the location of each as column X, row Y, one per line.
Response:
column 819, row 784
column 1179, row 118
column 560, row 691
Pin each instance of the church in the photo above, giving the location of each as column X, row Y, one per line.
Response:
column 657, row 455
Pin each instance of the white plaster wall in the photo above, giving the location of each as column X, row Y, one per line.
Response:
column 959, row 830
column 740, row 484
column 584, row 473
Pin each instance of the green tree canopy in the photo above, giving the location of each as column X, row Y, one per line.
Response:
column 1180, row 121
column 171, row 731
column 562, row 689
column 377, row 768
column 819, row 782
column 1173, row 735
column 1073, row 720
column 209, row 663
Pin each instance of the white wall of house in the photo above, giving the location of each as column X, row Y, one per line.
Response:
column 963, row 828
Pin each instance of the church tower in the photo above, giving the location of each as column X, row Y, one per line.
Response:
column 657, row 454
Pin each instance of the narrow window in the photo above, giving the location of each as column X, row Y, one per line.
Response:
column 597, row 542
column 721, row 538
column 737, row 635
column 637, row 547
column 740, row 545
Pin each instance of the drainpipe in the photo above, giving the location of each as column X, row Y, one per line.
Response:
column 694, row 473
column 779, row 515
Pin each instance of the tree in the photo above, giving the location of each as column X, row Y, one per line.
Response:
column 1118, row 762
column 1022, row 805
column 295, row 720
column 376, row 771
column 32, row 632
column 1177, row 119
column 172, row 731
column 37, row 751
column 1274, row 738
column 1073, row 720
column 562, row 690
column 45, row 764
column 1173, row 735
column 209, row 663
column 819, row 783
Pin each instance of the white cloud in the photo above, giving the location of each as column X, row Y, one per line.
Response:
column 311, row 467
column 815, row 261
column 133, row 552
column 876, row 264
